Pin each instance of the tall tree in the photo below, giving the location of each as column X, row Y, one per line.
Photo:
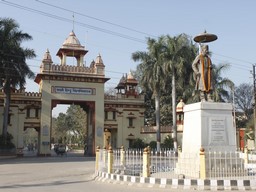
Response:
column 150, row 117
column 72, row 125
column 177, row 57
column 244, row 99
column 222, row 85
column 151, row 63
column 13, row 67
column 77, row 122
column 61, row 127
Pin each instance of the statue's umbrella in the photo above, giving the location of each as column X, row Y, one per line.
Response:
column 205, row 37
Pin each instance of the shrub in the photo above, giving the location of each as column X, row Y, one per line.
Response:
column 168, row 142
column 138, row 144
column 152, row 144
column 6, row 143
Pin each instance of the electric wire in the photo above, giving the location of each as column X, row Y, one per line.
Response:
column 11, row 55
column 82, row 24
column 101, row 29
column 235, row 65
column 97, row 19
column 71, row 21
column 118, row 72
column 241, row 60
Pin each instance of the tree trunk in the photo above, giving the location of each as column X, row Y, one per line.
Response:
column 174, row 116
column 7, row 92
column 158, row 131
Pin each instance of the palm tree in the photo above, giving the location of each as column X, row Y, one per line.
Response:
column 13, row 66
column 178, row 55
column 152, row 75
column 221, row 85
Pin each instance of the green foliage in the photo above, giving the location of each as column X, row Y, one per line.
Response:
column 6, row 143
column 165, row 70
column 150, row 118
column 30, row 136
column 244, row 99
column 221, row 85
column 77, row 120
column 250, row 124
column 165, row 56
column 249, row 131
column 151, row 65
column 166, row 110
column 138, row 144
column 70, row 127
column 168, row 142
column 242, row 122
column 249, row 134
column 13, row 67
column 152, row 144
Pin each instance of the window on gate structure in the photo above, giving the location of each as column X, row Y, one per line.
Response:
column 28, row 112
column 37, row 112
column 106, row 115
column 130, row 122
column 114, row 115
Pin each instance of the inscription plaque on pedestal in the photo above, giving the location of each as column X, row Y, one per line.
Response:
column 218, row 132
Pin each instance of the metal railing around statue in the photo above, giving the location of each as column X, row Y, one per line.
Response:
column 148, row 163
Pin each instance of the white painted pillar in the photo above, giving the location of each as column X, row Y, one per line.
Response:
column 81, row 61
column 64, row 59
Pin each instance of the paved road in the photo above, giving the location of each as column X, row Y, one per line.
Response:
column 71, row 173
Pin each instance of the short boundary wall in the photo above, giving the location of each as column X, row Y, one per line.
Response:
column 182, row 183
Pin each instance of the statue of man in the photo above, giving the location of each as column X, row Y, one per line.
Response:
column 202, row 67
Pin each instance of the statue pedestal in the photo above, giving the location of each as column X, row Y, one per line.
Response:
column 208, row 125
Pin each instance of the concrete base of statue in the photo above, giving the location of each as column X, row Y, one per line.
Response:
column 208, row 125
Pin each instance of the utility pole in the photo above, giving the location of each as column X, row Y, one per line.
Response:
column 234, row 116
column 254, row 106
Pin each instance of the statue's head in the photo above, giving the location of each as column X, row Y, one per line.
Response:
column 205, row 49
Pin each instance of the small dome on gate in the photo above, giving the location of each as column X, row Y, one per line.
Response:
column 72, row 40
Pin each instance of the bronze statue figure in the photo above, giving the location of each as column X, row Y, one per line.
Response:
column 202, row 67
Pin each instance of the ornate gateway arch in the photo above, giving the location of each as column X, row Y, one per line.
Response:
column 67, row 84
column 111, row 119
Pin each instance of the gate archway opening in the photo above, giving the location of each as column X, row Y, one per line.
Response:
column 78, row 130
column 30, row 141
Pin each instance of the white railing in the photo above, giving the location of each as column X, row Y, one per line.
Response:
column 219, row 165
column 163, row 164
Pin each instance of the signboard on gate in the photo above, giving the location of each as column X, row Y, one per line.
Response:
column 73, row 90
